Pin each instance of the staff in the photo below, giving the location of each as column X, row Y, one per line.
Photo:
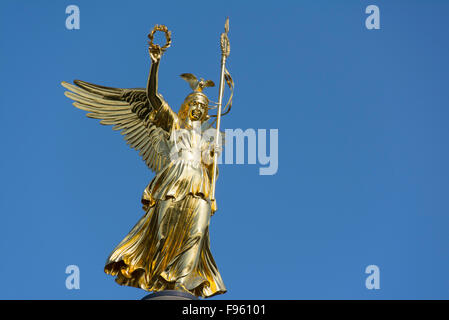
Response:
column 225, row 50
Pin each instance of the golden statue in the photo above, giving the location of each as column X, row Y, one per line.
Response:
column 169, row 247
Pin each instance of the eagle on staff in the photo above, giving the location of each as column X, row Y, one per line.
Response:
column 169, row 247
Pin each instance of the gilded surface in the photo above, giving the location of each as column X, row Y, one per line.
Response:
column 169, row 247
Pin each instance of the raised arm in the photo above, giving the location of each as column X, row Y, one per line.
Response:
column 164, row 116
column 153, row 96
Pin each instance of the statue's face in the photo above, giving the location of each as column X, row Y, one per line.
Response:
column 197, row 110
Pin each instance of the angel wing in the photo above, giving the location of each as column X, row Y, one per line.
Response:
column 191, row 79
column 195, row 84
column 144, row 128
column 208, row 83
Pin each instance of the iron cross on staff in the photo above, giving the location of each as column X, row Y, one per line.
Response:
column 224, row 76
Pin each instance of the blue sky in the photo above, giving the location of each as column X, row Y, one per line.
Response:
column 363, row 145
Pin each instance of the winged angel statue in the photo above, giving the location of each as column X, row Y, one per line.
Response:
column 169, row 247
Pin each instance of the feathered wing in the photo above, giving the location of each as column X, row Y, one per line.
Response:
column 145, row 129
column 191, row 79
column 196, row 84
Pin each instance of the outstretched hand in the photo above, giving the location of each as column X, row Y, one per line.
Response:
column 156, row 52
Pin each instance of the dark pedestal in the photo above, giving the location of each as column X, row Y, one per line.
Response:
column 170, row 295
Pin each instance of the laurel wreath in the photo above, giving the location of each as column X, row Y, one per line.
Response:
column 161, row 28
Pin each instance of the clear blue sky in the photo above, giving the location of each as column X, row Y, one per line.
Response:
column 363, row 145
